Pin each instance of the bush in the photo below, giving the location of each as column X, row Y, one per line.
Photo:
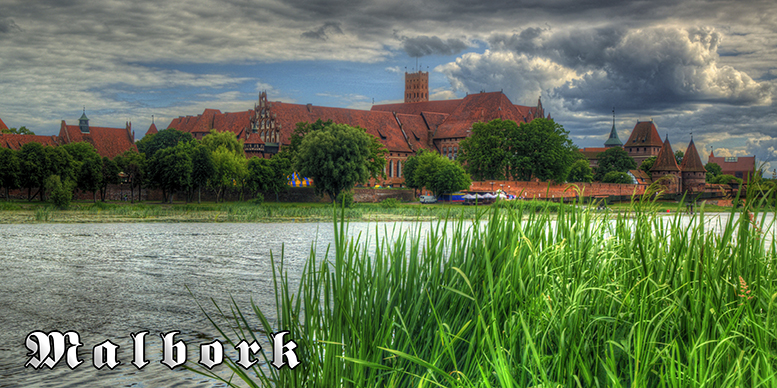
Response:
column 258, row 200
column 389, row 203
column 346, row 196
column 617, row 177
column 61, row 193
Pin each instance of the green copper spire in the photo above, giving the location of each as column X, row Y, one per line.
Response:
column 613, row 141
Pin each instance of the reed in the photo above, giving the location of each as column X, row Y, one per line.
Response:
column 527, row 298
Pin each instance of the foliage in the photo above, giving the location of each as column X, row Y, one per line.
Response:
column 32, row 163
column 10, row 170
column 203, row 168
column 540, row 149
column 230, row 171
column 20, row 131
column 580, row 172
column 484, row 153
column 614, row 159
column 269, row 175
column 726, row 179
column 435, row 172
column 647, row 164
column 389, row 203
column 61, row 192
column 617, row 177
column 170, row 169
column 226, row 139
column 678, row 157
column 166, row 138
column 109, row 176
column 345, row 199
column 133, row 164
column 713, row 171
column 258, row 199
column 337, row 157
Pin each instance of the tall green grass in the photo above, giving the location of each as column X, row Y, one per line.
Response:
column 531, row 299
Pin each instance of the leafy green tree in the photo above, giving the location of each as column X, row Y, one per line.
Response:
column 302, row 129
column 133, row 164
column 647, row 164
column 61, row 192
column 713, row 171
column 614, row 159
column 726, row 179
column 484, row 153
column 269, row 175
column 678, row 156
column 109, row 176
column 435, row 172
column 337, row 157
column 203, row 168
column 32, row 164
column 230, row 171
column 617, row 177
column 10, row 170
column 226, row 139
column 87, row 166
column 170, row 169
column 20, row 131
column 166, row 138
column 580, row 172
column 540, row 149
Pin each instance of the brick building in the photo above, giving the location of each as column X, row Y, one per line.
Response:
column 107, row 141
column 741, row 167
column 403, row 128
column 643, row 142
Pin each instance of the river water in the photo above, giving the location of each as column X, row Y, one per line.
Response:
column 106, row 281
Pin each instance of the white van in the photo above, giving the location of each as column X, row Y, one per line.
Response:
column 428, row 199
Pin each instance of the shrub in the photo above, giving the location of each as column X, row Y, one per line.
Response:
column 345, row 198
column 258, row 200
column 389, row 203
column 61, row 193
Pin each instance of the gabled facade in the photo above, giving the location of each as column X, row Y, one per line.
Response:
column 109, row 142
column 738, row 166
column 643, row 142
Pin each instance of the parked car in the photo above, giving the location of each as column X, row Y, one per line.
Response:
column 428, row 199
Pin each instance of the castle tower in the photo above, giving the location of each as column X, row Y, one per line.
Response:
column 644, row 141
column 416, row 86
column 666, row 166
column 692, row 170
column 83, row 122
column 613, row 141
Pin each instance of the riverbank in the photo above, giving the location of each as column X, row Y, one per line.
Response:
column 24, row 212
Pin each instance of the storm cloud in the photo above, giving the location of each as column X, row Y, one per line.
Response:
column 420, row 46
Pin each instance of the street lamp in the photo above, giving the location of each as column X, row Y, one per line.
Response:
column 492, row 187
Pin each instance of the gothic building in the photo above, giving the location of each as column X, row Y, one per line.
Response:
column 402, row 128
column 643, row 142
column 688, row 177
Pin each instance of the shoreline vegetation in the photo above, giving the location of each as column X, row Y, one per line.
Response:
column 538, row 298
column 26, row 212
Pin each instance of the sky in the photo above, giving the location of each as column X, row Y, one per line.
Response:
column 706, row 68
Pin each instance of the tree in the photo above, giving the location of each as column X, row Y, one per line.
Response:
column 726, row 179
column 580, row 172
column 435, row 172
column 540, row 149
column 337, row 157
column 617, row 177
column 484, row 154
column 109, row 175
column 133, row 164
column 269, row 175
column 647, row 164
column 171, row 169
column 203, row 168
column 32, row 164
column 713, row 171
column 21, row 131
column 228, row 140
column 678, row 156
column 165, row 138
column 87, row 166
column 10, row 170
column 614, row 159
column 230, row 171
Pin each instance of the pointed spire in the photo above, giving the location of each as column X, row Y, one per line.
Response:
column 691, row 160
column 665, row 161
column 83, row 122
column 613, row 140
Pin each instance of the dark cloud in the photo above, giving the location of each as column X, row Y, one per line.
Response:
column 324, row 32
column 420, row 46
column 8, row 25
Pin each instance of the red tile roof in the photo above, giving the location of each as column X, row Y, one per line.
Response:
column 641, row 176
column 737, row 164
column 480, row 107
column 152, row 129
column 236, row 122
column 592, row 152
column 380, row 124
column 108, row 142
column 416, row 130
column 665, row 161
column 691, row 160
column 416, row 108
column 644, row 134
column 15, row 142
column 2, row 125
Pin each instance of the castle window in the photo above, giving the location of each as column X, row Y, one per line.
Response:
column 399, row 168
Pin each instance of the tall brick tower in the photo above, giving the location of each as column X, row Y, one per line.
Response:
column 416, row 86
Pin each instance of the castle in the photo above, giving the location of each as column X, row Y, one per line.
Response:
column 402, row 128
